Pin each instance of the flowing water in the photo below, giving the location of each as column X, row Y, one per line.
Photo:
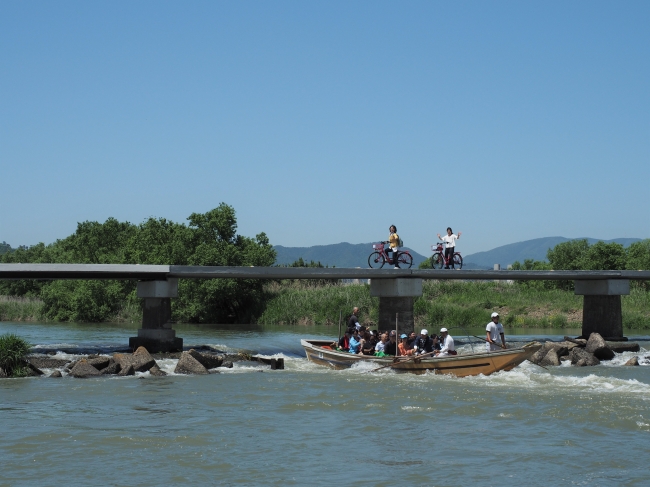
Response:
column 308, row 425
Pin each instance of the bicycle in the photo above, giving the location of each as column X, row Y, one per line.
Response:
column 438, row 258
column 379, row 257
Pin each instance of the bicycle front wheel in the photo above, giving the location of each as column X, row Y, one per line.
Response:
column 376, row 260
column 458, row 261
column 437, row 261
column 405, row 259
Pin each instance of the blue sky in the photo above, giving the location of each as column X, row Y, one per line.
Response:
column 323, row 122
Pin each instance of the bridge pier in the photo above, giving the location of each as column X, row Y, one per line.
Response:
column 396, row 298
column 156, row 334
column 601, row 309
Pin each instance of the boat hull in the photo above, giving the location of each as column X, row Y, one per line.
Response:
column 459, row 365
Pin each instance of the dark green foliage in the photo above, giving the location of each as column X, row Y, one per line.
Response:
column 579, row 255
column 4, row 248
column 13, row 353
column 210, row 239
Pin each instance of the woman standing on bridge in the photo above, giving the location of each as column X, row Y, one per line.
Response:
column 450, row 246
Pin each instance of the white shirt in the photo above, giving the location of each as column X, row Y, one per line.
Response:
column 380, row 347
column 450, row 240
column 495, row 330
column 447, row 345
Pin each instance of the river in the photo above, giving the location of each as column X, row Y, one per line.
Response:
column 308, row 425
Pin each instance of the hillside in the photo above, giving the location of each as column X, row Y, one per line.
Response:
column 529, row 249
column 343, row 254
column 356, row 255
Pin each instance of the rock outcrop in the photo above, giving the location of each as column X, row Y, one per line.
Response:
column 128, row 370
column 83, row 369
column 156, row 372
column 187, row 364
column 632, row 361
column 100, row 362
column 551, row 358
column 112, row 369
column 580, row 357
column 140, row 360
column 56, row 374
column 597, row 345
column 209, row 361
column 620, row 347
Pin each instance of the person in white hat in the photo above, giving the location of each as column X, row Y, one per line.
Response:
column 447, row 344
column 495, row 338
column 423, row 344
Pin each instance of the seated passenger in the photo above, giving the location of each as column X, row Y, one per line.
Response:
column 412, row 338
column 436, row 342
column 404, row 347
column 423, row 344
column 381, row 346
column 344, row 341
column 355, row 342
column 448, row 347
column 367, row 343
column 391, row 345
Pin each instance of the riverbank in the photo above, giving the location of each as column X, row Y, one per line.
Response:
column 448, row 303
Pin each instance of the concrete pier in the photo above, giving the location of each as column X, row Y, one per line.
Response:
column 396, row 299
column 601, row 309
column 156, row 334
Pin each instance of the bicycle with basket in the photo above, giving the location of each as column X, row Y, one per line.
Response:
column 438, row 258
column 379, row 257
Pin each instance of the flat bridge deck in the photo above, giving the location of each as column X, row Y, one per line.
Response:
column 160, row 272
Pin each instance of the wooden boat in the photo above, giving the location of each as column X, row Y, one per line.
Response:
column 486, row 363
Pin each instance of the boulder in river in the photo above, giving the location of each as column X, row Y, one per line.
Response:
column 189, row 365
column 208, row 360
column 551, row 358
column 632, row 361
column 56, row 373
column 128, row 370
column 598, row 346
column 83, row 369
column 155, row 371
column 112, row 369
column 620, row 347
column 140, row 360
column 100, row 362
column 580, row 357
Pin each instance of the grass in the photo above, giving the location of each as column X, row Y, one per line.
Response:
column 21, row 309
column 296, row 303
column 448, row 303
column 13, row 355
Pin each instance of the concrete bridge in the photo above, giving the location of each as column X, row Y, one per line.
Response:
column 396, row 289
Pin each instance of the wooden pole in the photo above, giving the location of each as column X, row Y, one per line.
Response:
column 340, row 317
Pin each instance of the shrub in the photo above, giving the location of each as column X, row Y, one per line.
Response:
column 13, row 353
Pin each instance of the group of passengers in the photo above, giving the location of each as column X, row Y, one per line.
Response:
column 363, row 341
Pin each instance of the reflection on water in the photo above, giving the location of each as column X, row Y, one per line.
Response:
column 308, row 425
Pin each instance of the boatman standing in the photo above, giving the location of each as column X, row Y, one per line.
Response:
column 496, row 340
column 447, row 344
column 354, row 321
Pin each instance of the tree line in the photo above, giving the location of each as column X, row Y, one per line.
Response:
column 579, row 255
column 209, row 239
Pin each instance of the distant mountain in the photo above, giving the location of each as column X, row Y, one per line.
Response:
column 356, row 255
column 529, row 249
column 335, row 255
